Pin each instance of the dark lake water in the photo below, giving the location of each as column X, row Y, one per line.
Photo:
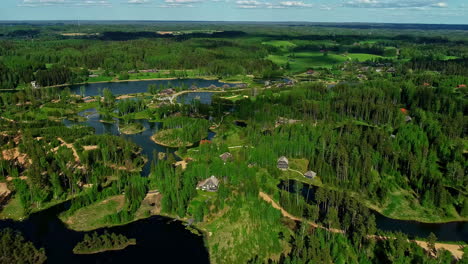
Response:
column 203, row 97
column 119, row 88
column 454, row 231
column 159, row 240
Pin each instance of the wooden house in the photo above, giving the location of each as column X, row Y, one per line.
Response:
column 211, row 184
column 283, row 163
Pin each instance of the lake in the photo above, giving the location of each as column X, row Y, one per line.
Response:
column 131, row 87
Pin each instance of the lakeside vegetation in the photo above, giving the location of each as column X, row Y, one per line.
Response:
column 15, row 249
column 379, row 118
column 100, row 243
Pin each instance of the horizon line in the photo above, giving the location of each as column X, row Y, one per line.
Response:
column 224, row 21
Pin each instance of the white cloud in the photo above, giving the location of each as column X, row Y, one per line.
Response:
column 251, row 4
column 295, row 4
column 440, row 5
column 138, row 2
column 395, row 4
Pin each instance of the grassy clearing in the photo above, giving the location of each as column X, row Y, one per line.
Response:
column 230, row 136
column 13, row 210
column 363, row 56
column 101, row 79
column 92, row 217
column 302, row 61
column 132, row 128
column 237, row 235
column 283, row 45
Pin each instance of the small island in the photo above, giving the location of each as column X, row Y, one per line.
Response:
column 168, row 138
column 131, row 128
column 100, row 243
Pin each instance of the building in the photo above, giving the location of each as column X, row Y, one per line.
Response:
column 211, row 184
column 283, row 163
column 167, row 92
column 226, row 156
column 310, row 174
column 35, row 85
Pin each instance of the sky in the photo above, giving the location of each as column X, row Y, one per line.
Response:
column 382, row 11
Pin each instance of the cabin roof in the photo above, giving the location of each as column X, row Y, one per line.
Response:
column 283, row 159
column 213, row 180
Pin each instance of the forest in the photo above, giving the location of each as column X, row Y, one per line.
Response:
column 378, row 119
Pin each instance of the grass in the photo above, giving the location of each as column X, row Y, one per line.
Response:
column 283, row 45
column 363, row 56
column 13, row 210
column 132, row 128
column 101, row 79
column 92, row 217
column 230, row 136
column 166, row 138
column 303, row 61
column 238, row 233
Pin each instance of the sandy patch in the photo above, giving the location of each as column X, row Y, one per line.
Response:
column 91, row 147
column 15, row 154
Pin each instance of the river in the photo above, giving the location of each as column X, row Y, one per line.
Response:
column 454, row 231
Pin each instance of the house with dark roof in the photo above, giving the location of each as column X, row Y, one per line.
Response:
column 283, row 163
column 210, row 185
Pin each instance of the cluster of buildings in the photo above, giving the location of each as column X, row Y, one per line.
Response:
column 211, row 184
column 283, row 164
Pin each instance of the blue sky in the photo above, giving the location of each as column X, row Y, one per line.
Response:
column 400, row 11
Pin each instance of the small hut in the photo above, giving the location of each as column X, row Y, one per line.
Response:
column 310, row 174
column 211, row 184
column 226, row 156
column 283, row 163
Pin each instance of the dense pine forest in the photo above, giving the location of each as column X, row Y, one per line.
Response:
column 371, row 123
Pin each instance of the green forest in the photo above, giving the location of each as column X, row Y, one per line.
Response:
column 378, row 119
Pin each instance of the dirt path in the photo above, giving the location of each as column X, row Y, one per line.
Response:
column 456, row 250
column 70, row 146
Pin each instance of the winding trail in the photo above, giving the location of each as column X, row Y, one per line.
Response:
column 455, row 250
column 70, row 146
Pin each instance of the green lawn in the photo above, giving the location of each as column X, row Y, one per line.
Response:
column 92, row 217
column 303, row 61
column 284, row 45
column 13, row 209
column 363, row 56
